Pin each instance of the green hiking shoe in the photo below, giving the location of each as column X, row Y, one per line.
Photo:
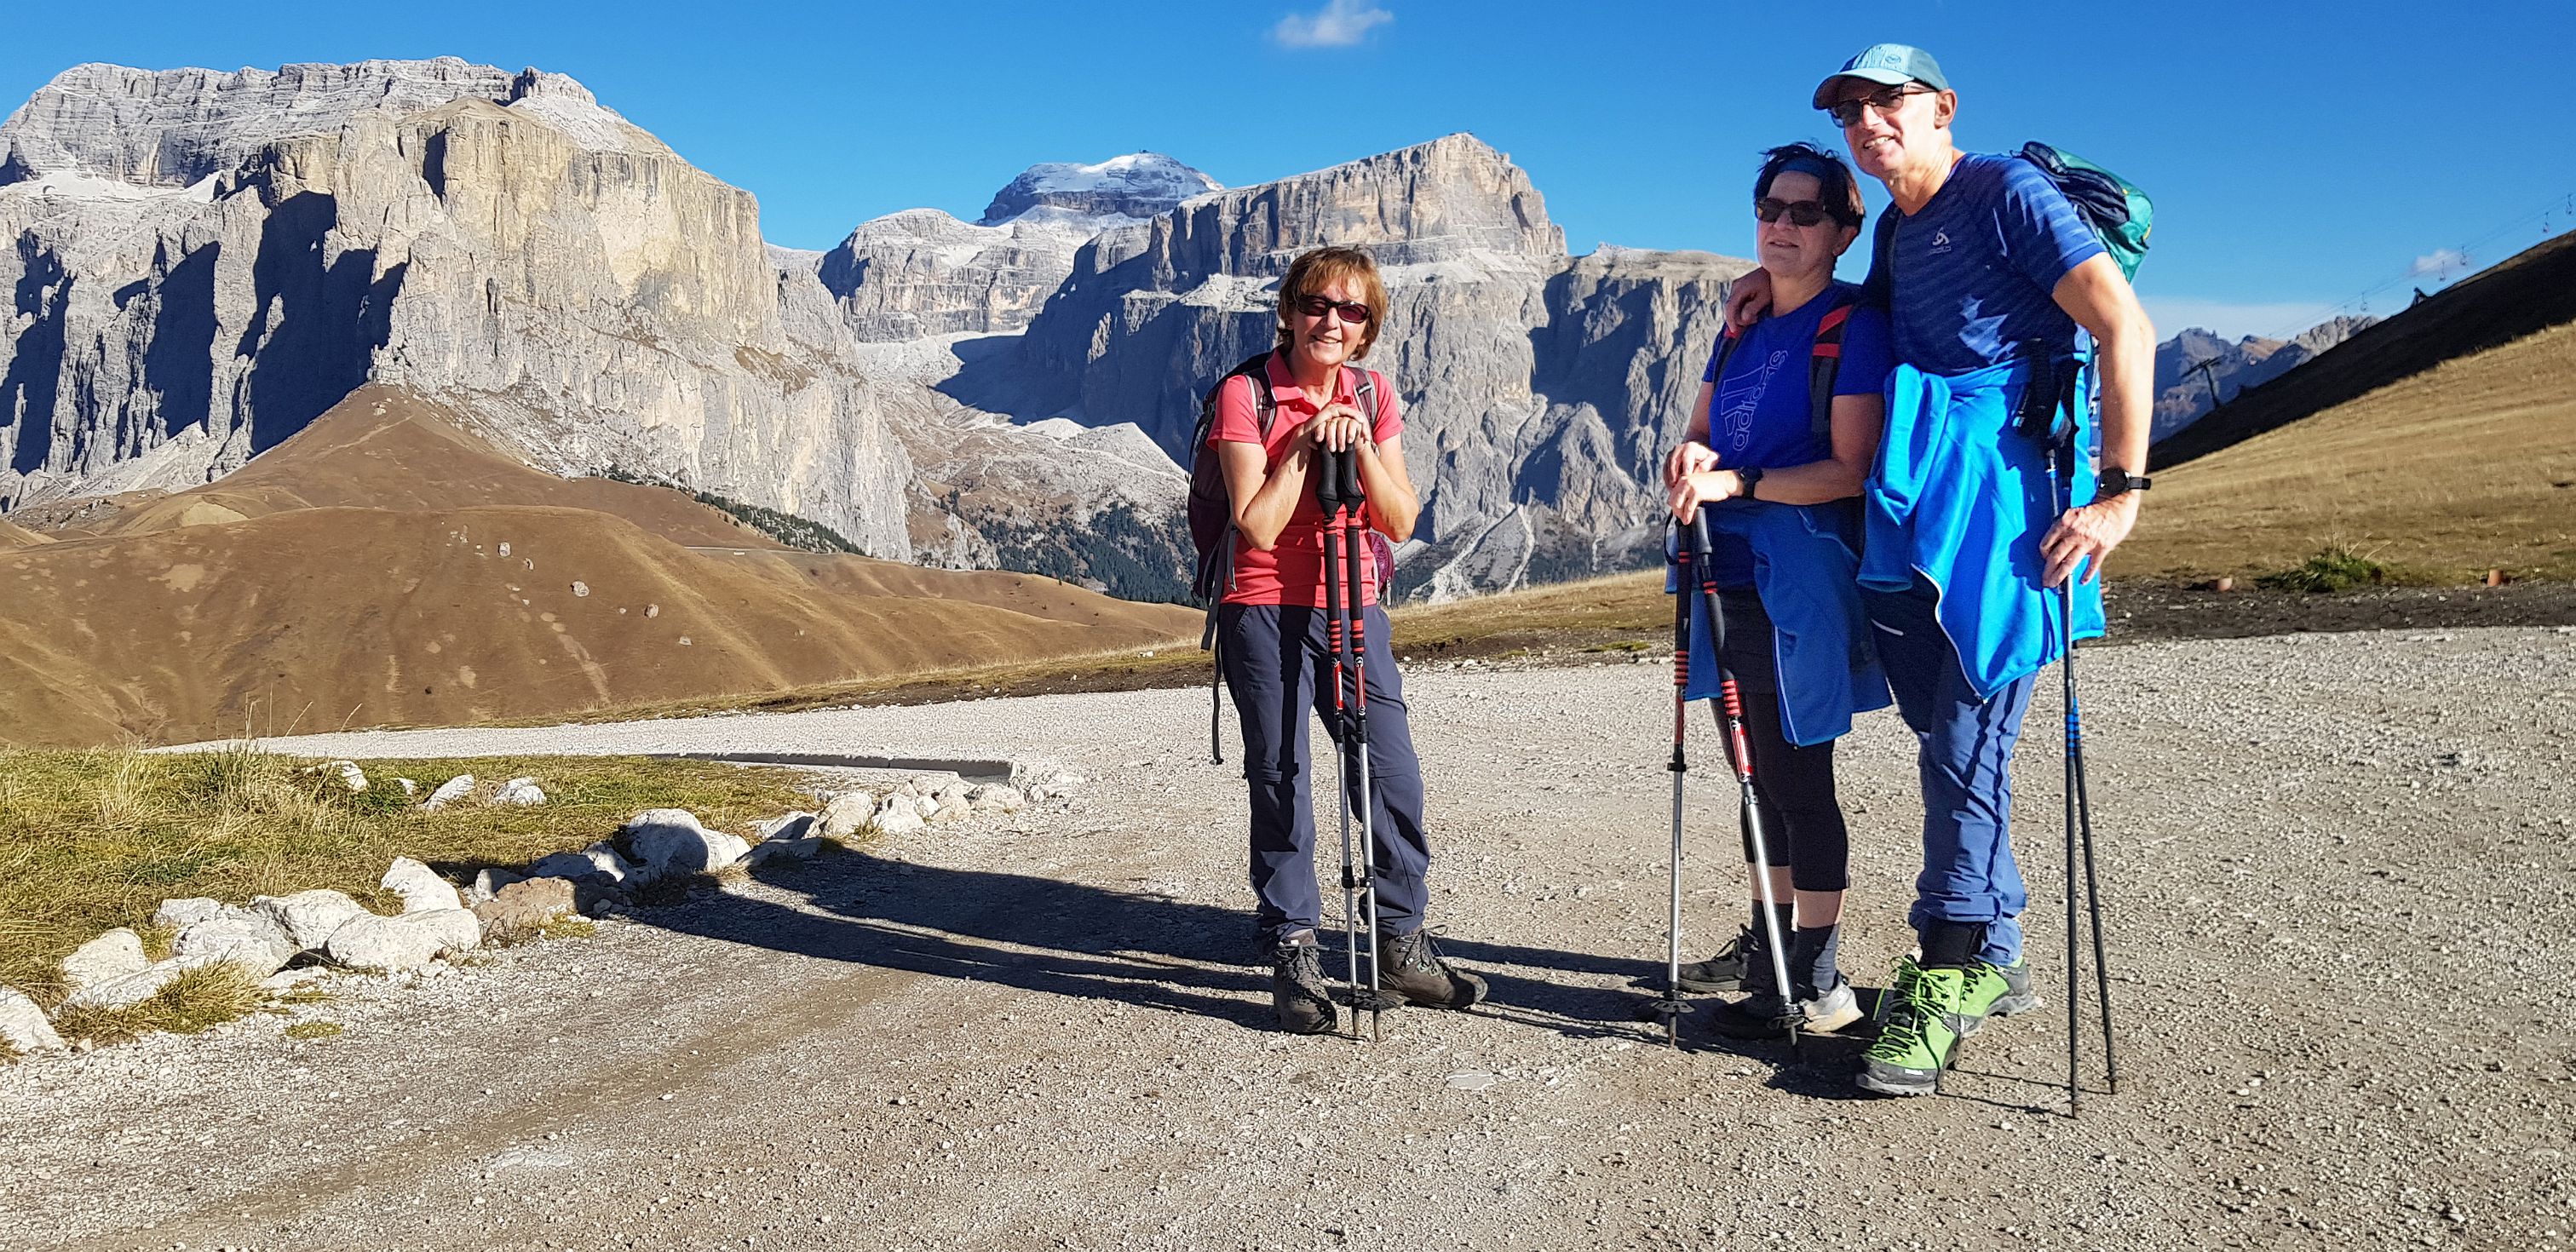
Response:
column 1918, row 1030
column 1995, row 991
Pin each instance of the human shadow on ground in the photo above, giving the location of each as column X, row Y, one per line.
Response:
column 1088, row 942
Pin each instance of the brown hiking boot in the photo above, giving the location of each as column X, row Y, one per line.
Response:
column 1411, row 971
column 1297, row 986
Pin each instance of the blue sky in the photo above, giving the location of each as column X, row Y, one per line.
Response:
column 2301, row 154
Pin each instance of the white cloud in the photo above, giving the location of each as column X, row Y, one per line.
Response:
column 1339, row 24
column 2438, row 263
column 2230, row 320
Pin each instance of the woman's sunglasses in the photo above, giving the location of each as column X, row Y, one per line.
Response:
column 1353, row 313
column 1800, row 212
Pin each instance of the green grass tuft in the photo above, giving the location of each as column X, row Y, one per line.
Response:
column 197, row 1000
column 2333, row 570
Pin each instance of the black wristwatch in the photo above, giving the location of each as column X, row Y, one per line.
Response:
column 1749, row 476
column 2116, row 480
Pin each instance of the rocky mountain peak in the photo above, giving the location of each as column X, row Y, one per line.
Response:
column 172, row 128
column 1140, row 184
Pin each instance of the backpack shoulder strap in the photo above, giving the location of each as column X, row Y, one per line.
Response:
column 1727, row 339
column 1824, row 362
column 1265, row 402
column 1364, row 386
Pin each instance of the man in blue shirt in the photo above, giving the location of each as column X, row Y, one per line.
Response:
column 1988, row 275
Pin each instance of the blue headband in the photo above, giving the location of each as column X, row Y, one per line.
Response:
column 1808, row 165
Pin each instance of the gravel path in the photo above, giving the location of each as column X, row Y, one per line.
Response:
column 2343, row 904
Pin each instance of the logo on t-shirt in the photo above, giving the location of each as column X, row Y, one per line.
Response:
column 1738, row 397
column 1940, row 242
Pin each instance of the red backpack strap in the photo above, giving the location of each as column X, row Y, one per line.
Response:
column 1823, row 363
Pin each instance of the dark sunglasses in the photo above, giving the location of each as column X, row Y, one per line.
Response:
column 1886, row 100
column 1801, row 212
column 1354, row 313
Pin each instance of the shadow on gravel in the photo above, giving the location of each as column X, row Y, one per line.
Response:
column 1073, row 939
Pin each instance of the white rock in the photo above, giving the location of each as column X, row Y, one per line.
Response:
column 998, row 796
column 308, row 917
column 489, row 883
column 670, row 841
column 519, row 791
column 847, row 813
column 350, row 775
column 597, row 860
column 449, row 792
column 131, row 990
column 769, row 850
column 956, row 790
column 420, row 887
column 23, row 1026
column 107, row 958
column 899, row 819
column 925, row 806
column 953, row 810
column 409, row 788
column 240, row 937
column 796, row 825
column 175, row 914
column 406, row 942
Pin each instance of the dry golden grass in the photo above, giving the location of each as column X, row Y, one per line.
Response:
column 94, row 840
column 2464, row 468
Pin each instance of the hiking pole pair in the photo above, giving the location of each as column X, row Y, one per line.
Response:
column 2079, row 822
column 1697, row 558
column 1345, row 506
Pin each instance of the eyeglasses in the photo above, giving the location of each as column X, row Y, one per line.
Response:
column 1800, row 212
column 1886, row 100
column 1353, row 313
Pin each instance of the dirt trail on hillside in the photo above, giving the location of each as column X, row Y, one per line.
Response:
column 2343, row 898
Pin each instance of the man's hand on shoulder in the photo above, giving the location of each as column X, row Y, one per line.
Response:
column 1749, row 299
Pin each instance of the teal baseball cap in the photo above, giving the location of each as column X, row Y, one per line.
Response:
column 1887, row 64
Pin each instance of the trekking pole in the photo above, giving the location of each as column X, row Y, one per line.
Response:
column 1740, row 753
column 1354, row 530
column 2079, row 825
column 1670, row 1006
column 1336, row 486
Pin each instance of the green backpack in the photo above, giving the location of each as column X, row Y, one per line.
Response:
column 2121, row 215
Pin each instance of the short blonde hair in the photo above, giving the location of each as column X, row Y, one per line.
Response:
column 1321, row 268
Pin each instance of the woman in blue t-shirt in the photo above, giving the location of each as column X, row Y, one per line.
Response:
column 1778, row 478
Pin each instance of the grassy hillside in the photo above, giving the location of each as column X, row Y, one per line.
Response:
column 2464, row 467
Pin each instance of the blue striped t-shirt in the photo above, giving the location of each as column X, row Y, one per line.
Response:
column 1975, row 271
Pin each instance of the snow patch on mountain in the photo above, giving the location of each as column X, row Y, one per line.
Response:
column 1138, row 185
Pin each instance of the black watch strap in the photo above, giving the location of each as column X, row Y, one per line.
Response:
column 1750, row 476
column 2116, row 480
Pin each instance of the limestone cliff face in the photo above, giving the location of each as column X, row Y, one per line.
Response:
column 206, row 262
column 1538, row 387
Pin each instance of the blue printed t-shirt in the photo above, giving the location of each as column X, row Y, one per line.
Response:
column 1763, row 416
column 1975, row 272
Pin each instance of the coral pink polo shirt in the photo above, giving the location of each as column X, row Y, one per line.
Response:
column 1292, row 572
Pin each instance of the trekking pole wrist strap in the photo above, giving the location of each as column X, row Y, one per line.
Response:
column 2117, row 481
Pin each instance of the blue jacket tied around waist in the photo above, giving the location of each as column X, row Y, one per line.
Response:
column 1963, row 498
column 1804, row 570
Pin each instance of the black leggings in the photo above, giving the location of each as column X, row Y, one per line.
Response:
column 1803, row 819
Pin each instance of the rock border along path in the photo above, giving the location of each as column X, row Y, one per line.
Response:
column 2341, row 887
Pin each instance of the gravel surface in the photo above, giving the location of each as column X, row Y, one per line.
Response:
column 2341, row 900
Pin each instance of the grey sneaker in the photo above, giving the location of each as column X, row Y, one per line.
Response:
column 1725, row 971
column 1765, row 1016
column 1297, row 986
column 1414, row 972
